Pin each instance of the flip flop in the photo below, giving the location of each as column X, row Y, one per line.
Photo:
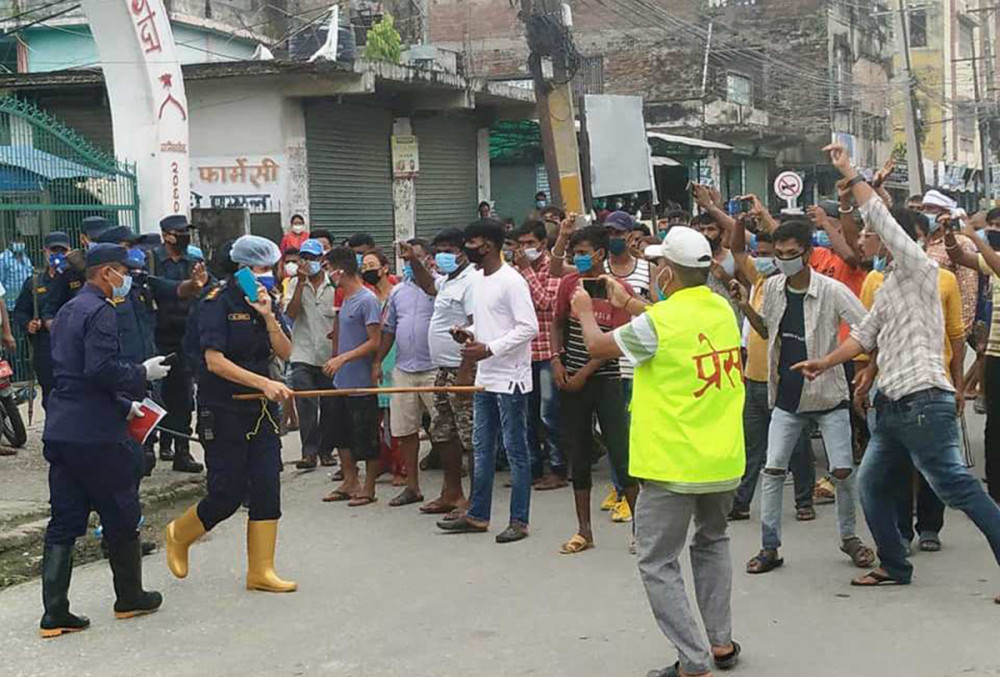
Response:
column 930, row 545
column 337, row 497
column 361, row 501
column 575, row 545
column 879, row 578
column 406, row 497
column 452, row 516
column 437, row 507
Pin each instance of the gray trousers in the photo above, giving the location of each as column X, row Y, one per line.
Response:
column 662, row 518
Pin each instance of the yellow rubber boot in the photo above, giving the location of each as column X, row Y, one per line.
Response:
column 262, row 535
column 181, row 533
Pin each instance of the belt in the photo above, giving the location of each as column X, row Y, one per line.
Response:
column 913, row 398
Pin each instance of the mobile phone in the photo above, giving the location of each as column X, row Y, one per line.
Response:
column 170, row 360
column 954, row 225
column 248, row 283
column 746, row 205
column 596, row 288
column 461, row 335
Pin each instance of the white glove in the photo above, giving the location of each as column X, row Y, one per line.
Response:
column 155, row 369
column 136, row 411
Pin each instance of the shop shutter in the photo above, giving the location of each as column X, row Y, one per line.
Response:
column 350, row 177
column 447, row 186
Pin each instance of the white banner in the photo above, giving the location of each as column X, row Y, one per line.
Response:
column 148, row 104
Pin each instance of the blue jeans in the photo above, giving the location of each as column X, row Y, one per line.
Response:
column 782, row 438
column 627, row 389
column 921, row 428
column 544, row 403
column 507, row 415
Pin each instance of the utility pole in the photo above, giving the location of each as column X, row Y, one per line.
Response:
column 556, row 114
column 914, row 159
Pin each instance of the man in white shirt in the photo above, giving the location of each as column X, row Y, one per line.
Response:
column 310, row 307
column 500, row 343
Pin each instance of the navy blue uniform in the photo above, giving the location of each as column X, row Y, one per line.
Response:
column 90, row 465
column 241, row 442
column 51, row 291
column 171, row 321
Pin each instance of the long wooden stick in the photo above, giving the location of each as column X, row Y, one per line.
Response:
column 345, row 392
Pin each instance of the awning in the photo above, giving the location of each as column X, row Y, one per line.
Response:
column 688, row 141
column 45, row 165
column 663, row 161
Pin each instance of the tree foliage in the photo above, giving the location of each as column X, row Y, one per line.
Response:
column 383, row 42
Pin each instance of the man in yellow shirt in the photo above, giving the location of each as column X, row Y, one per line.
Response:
column 688, row 379
column 930, row 509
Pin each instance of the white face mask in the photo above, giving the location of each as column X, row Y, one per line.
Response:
column 532, row 254
column 298, row 228
column 291, row 269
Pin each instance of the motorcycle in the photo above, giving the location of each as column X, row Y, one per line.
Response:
column 11, row 424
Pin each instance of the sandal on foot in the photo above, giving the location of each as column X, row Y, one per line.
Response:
column 672, row 671
column 361, row 501
column 729, row 661
column 437, row 507
column 877, row 579
column 461, row 525
column 337, row 497
column 406, row 497
column 930, row 544
column 307, row 463
column 338, row 476
column 738, row 515
column 861, row 555
column 763, row 562
column 806, row 513
column 575, row 545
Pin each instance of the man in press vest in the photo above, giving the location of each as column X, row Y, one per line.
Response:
column 688, row 380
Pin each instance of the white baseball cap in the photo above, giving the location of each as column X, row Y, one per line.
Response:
column 683, row 246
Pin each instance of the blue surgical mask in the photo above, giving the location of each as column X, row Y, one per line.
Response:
column 266, row 280
column 122, row 290
column 136, row 259
column 58, row 262
column 879, row 263
column 447, row 262
column 360, row 259
column 540, row 204
column 752, row 243
column 981, row 234
column 407, row 272
column 791, row 267
column 765, row 265
column 583, row 262
column 313, row 268
column 662, row 234
column 932, row 223
column 17, row 247
column 617, row 245
column 822, row 239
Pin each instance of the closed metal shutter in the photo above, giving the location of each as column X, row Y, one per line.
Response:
column 350, row 171
column 447, row 186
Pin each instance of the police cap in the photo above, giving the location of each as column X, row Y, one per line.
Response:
column 175, row 223
column 103, row 253
column 57, row 238
column 117, row 234
column 93, row 226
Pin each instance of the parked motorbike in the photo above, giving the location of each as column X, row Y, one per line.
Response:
column 11, row 424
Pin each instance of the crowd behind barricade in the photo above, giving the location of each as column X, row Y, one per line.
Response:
column 699, row 353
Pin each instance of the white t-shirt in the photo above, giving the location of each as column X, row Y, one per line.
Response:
column 452, row 307
column 505, row 320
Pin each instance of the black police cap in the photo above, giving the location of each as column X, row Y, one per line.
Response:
column 116, row 234
column 103, row 253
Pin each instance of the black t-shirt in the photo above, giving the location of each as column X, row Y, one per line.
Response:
column 793, row 350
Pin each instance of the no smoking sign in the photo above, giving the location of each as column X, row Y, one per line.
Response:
column 788, row 186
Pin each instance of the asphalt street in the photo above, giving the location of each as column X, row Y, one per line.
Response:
column 382, row 594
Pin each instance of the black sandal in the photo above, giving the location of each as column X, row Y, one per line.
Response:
column 879, row 578
column 729, row 661
column 764, row 562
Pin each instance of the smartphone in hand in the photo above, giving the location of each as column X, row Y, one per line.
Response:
column 248, row 283
column 597, row 289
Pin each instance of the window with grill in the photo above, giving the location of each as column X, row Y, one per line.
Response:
column 918, row 28
column 739, row 89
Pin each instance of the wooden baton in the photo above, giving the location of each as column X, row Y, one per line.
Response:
column 345, row 392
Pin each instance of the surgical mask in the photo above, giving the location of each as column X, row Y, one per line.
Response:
column 662, row 234
column 58, row 262
column 313, row 268
column 661, row 285
column 475, row 255
column 532, row 254
column 752, row 243
column 765, row 265
column 981, row 234
column 121, row 291
column 372, row 277
column 822, row 239
column 617, row 245
column 291, row 269
column 266, row 280
column 447, row 262
column 136, row 259
column 791, row 267
column 584, row 263
column 17, row 247
column 360, row 258
column 932, row 223
column 879, row 263
column 407, row 272
column 729, row 265
column 298, row 228
column 540, row 204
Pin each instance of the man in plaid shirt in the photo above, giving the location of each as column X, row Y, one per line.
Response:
column 916, row 404
column 531, row 259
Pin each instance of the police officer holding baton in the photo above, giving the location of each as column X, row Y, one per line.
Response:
column 90, row 466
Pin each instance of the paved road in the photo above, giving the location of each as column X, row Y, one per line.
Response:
column 382, row 594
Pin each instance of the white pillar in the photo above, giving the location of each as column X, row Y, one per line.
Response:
column 483, row 164
column 404, row 195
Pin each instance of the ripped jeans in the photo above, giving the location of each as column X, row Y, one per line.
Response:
column 782, row 436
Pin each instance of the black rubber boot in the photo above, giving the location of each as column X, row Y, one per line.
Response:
column 57, row 567
column 182, row 458
column 126, row 566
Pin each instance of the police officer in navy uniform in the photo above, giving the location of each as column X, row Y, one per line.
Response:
column 171, row 264
column 75, row 274
column 40, row 298
column 237, row 337
column 90, row 466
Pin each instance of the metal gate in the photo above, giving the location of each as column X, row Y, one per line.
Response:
column 51, row 178
column 448, row 184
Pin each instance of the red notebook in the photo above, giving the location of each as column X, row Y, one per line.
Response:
column 140, row 427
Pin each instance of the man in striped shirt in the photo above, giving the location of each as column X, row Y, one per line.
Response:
column 589, row 385
column 916, row 405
